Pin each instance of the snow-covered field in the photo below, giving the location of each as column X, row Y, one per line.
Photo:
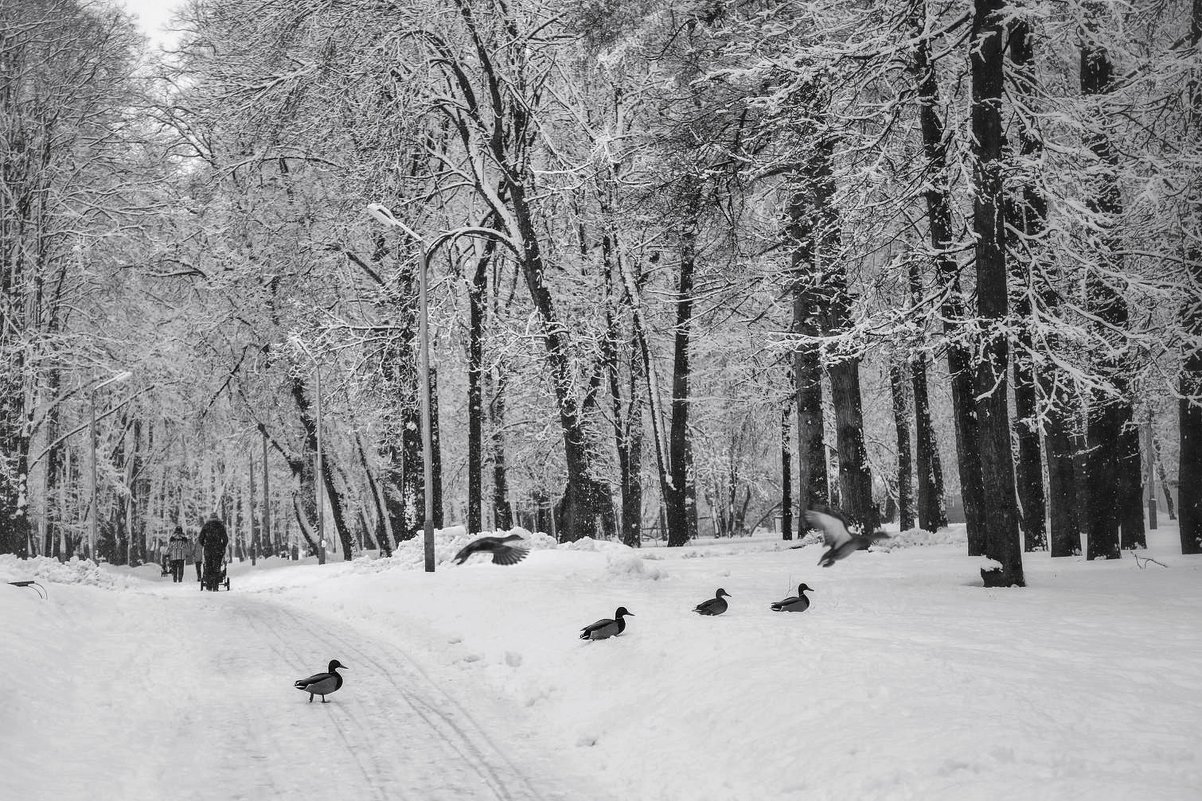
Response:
column 904, row 680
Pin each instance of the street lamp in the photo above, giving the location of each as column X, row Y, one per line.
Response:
column 381, row 214
column 123, row 375
column 321, row 512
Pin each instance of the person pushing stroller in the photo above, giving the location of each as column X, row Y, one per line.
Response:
column 213, row 541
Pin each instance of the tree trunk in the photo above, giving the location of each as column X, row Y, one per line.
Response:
column 993, row 434
column 477, row 300
column 586, row 499
column 932, row 515
column 435, row 456
column 1028, row 210
column 632, row 459
column 502, row 510
column 681, row 500
column 939, row 216
column 786, row 477
column 855, row 480
column 1108, row 460
column 901, row 421
column 1189, row 472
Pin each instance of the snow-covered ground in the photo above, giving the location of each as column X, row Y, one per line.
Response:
column 905, row 679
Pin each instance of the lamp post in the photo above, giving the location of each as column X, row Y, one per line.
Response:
column 321, row 512
column 381, row 214
column 92, row 408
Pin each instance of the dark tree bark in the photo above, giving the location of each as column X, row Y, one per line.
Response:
column 501, row 508
column 939, row 219
column 989, row 225
column 786, row 475
column 1131, row 477
column 631, row 457
column 901, row 421
column 1028, row 211
column 932, row 514
column 812, row 483
column 855, row 480
column 1189, row 472
column 435, row 455
column 477, row 300
column 1107, row 462
column 680, row 499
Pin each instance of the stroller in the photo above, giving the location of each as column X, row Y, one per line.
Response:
column 215, row 577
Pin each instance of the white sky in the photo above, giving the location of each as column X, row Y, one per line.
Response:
column 153, row 16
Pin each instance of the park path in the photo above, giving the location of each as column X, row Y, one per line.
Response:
column 187, row 695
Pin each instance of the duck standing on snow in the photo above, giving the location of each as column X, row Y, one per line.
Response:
column 840, row 543
column 606, row 628
column 322, row 683
column 502, row 554
column 794, row 603
column 714, row 606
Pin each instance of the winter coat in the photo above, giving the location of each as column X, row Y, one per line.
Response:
column 177, row 547
column 213, row 538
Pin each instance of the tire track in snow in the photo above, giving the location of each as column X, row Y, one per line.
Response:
column 375, row 776
column 485, row 759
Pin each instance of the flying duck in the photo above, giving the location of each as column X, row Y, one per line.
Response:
column 714, row 606
column 794, row 603
column 606, row 628
column 840, row 542
column 502, row 554
column 322, row 683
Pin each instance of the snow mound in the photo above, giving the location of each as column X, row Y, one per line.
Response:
column 628, row 565
column 590, row 544
column 49, row 570
column 919, row 538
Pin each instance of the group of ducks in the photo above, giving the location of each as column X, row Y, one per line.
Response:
column 611, row 627
column 840, row 543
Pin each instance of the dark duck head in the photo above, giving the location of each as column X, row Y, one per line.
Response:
column 322, row 683
column 502, row 554
column 836, row 534
column 794, row 603
column 714, row 606
column 607, row 627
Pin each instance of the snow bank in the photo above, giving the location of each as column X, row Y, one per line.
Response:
column 921, row 538
column 48, row 570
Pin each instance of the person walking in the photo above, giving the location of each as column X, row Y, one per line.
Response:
column 213, row 541
column 177, row 552
column 197, row 556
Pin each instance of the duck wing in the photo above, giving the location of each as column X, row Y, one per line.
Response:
column 705, row 607
column 587, row 632
column 508, row 555
column 779, row 605
column 833, row 527
column 316, row 678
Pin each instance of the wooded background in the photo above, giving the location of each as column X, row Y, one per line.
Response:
column 694, row 266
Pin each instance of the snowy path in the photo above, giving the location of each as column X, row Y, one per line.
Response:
column 190, row 694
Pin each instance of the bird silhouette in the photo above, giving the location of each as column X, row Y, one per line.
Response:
column 502, row 554
column 607, row 627
column 322, row 683
column 714, row 606
column 794, row 603
column 840, row 542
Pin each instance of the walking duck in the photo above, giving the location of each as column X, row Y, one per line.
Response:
column 322, row 683
column 714, row 606
column 840, row 542
column 606, row 628
column 502, row 554
column 794, row 603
